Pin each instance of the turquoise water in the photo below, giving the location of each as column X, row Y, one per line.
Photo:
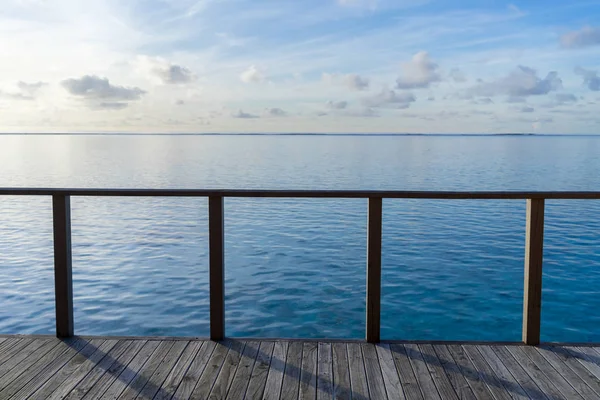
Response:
column 453, row 270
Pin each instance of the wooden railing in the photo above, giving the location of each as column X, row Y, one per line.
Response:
column 533, row 246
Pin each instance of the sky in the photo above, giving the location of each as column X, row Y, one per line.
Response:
column 314, row 66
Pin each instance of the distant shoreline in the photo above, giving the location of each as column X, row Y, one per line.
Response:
column 302, row 134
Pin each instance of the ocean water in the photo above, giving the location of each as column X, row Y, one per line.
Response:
column 452, row 270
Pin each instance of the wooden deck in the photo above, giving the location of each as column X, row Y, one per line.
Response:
column 111, row 368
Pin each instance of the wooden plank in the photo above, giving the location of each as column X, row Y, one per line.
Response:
column 258, row 379
column 506, row 378
column 293, row 367
column 324, row 371
column 521, row 376
column 244, row 371
column 588, row 361
column 190, row 378
column 175, row 377
column 227, row 372
column 341, row 372
column 147, row 370
column 7, row 344
column 375, row 382
column 422, row 374
column 534, row 252
column 48, row 370
column 58, row 379
column 90, row 363
column 406, row 373
column 210, row 373
column 36, row 353
column 569, row 374
column 12, row 347
column 486, row 374
column 577, row 367
column 59, row 354
column 115, row 370
column 129, row 374
column 152, row 386
column 469, row 371
column 373, row 306
column 20, row 354
column 216, row 244
column 276, row 371
column 440, row 379
column 97, row 371
column 63, row 274
column 545, row 384
column 358, row 375
column 390, row 374
column 308, row 373
column 556, row 378
column 453, row 372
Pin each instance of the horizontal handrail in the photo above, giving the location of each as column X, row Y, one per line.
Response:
column 533, row 243
column 387, row 194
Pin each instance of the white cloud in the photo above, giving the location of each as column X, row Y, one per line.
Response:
column 111, row 106
column 174, row 74
column 457, row 75
column 100, row 93
column 590, row 78
column 484, row 100
column 390, row 99
column 351, row 81
column 362, row 112
column 274, row 112
column 252, row 75
column 243, row 115
column 167, row 72
column 527, row 109
column 31, row 88
column 521, row 82
column 24, row 91
column 337, row 105
column 565, row 98
column 419, row 72
column 587, row 36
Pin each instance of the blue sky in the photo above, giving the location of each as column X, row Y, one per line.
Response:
column 300, row 66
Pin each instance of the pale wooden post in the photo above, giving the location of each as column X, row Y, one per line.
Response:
column 63, row 273
column 374, row 270
column 534, row 250
column 216, row 240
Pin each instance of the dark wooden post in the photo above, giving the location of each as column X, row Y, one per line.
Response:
column 63, row 274
column 216, row 240
column 374, row 270
column 534, row 250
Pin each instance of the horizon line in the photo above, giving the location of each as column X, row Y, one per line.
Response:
column 283, row 134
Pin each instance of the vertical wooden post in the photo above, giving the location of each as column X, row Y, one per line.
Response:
column 216, row 229
column 534, row 250
column 63, row 274
column 374, row 270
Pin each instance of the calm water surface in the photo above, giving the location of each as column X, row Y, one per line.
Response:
column 296, row 268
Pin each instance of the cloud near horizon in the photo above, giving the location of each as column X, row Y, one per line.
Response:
column 334, row 66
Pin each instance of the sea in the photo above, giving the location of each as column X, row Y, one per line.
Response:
column 296, row 268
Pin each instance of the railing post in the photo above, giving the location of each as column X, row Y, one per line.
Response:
column 534, row 250
column 374, row 270
column 63, row 274
column 216, row 240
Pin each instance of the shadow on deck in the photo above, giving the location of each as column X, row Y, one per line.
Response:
column 112, row 368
